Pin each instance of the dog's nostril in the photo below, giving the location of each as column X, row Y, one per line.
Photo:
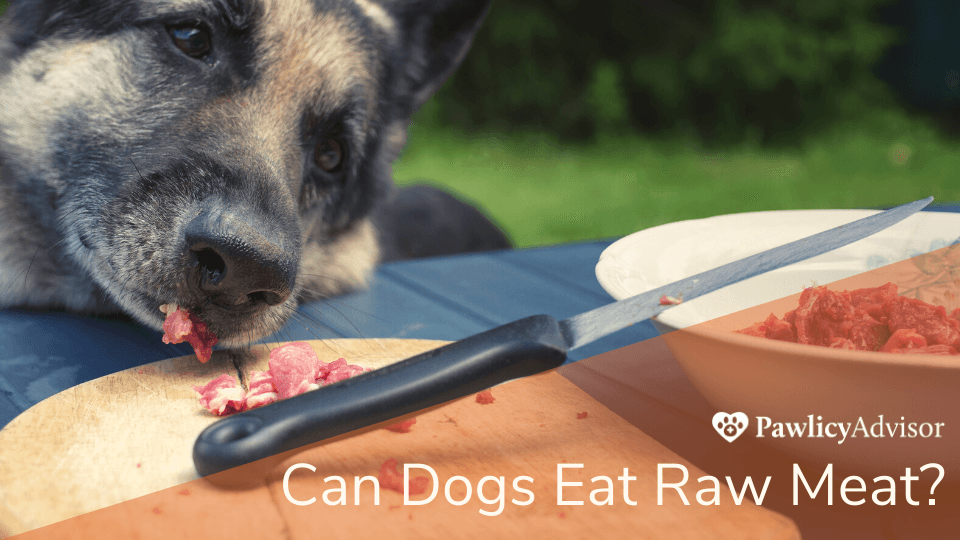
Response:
column 239, row 272
column 212, row 266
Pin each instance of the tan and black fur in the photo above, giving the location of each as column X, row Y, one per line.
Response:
column 134, row 175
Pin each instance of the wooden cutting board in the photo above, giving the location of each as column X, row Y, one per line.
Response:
column 123, row 443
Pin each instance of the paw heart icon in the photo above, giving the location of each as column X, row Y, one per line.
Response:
column 730, row 426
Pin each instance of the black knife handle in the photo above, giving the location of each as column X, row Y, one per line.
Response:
column 518, row 349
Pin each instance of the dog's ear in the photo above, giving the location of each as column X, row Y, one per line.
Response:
column 434, row 37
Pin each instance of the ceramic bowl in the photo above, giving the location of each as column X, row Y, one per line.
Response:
column 895, row 405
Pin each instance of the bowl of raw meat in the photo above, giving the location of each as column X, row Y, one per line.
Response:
column 850, row 358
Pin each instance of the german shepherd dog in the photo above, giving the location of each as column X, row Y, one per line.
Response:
column 229, row 156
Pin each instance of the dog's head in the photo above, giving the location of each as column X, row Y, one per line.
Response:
column 220, row 154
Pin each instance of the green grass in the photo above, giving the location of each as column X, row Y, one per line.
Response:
column 543, row 192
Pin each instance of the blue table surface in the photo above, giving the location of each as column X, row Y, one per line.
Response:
column 42, row 353
column 449, row 298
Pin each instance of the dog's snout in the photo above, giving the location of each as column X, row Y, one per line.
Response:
column 236, row 266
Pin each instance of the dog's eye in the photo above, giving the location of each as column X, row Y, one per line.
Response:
column 328, row 155
column 192, row 40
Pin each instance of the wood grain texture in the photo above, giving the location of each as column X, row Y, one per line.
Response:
column 131, row 433
column 128, row 437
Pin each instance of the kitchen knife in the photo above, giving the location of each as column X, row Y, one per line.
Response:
column 517, row 349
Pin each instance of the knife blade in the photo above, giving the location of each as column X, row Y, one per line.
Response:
column 518, row 349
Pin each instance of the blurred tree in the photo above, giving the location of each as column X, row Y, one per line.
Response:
column 731, row 69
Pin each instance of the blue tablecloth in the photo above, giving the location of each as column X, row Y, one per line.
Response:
column 449, row 298
column 445, row 298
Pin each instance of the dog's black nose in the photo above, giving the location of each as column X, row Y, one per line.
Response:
column 237, row 265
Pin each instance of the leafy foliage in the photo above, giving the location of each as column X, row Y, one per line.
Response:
column 728, row 69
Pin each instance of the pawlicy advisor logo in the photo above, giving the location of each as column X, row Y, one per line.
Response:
column 730, row 426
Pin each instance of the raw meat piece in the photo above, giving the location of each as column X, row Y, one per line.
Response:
column 222, row 396
column 260, row 390
column 181, row 325
column 338, row 370
column 823, row 315
column 670, row 300
column 485, row 397
column 294, row 369
column 872, row 300
column 904, row 338
column 772, row 328
column 928, row 320
column 872, row 319
column 867, row 333
column 402, row 427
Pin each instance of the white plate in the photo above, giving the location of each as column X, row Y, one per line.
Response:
column 653, row 257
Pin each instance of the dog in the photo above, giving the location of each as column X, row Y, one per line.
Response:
column 230, row 156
